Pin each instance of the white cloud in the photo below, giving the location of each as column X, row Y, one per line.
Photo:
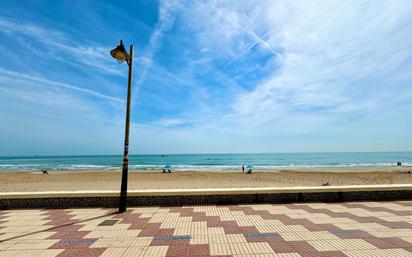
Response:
column 333, row 63
column 327, row 48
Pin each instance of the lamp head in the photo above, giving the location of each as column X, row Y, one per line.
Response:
column 120, row 53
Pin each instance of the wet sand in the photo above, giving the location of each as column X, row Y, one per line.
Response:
column 110, row 180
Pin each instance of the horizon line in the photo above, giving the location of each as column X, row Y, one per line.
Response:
column 218, row 153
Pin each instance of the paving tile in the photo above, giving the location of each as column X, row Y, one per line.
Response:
column 199, row 250
column 379, row 252
column 9, row 253
column 281, row 247
column 134, row 251
column 50, row 252
column 399, row 242
column 220, row 249
column 177, row 250
column 113, row 252
column 156, row 251
column 81, row 252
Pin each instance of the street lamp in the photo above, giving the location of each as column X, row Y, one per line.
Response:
column 121, row 55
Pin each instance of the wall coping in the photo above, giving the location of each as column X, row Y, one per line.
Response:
column 206, row 191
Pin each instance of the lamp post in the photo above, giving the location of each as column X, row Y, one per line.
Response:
column 121, row 55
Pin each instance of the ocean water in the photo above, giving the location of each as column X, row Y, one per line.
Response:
column 207, row 161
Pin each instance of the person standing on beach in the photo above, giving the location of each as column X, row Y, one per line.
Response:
column 243, row 168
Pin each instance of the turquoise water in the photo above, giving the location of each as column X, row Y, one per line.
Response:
column 207, row 161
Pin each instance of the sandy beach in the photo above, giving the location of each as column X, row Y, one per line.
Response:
column 110, row 180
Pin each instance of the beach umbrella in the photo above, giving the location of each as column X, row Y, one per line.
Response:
column 249, row 168
column 167, row 168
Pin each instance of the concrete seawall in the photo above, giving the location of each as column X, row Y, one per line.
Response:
column 66, row 199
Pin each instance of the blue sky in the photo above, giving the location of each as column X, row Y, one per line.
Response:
column 209, row 76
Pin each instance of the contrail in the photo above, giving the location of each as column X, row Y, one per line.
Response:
column 258, row 40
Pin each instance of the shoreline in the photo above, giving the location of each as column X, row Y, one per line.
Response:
column 349, row 169
column 97, row 180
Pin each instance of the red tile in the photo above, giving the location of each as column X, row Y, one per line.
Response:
column 175, row 209
column 198, row 218
column 165, row 232
column 333, row 254
column 186, row 214
column 311, row 254
column 398, row 242
column 322, row 254
column 409, row 249
column 234, row 208
column 380, row 243
column 177, row 250
column 212, row 224
column 351, row 234
column 230, row 223
column 232, row 230
column 85, row 252
column 159, row 242
column 327, row 227
column 137, row 225
column 302, row 246
column 179, row 242
column 149, row 233
column 249, row 211
column 212, row 218
column 199, row 250
column 153, row 226
column 314, row 227
column 134, row 219
column 257, row 239
column 69, row 235
column 281, row 247
column 249, row 230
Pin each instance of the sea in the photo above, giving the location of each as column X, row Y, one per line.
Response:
column 207, row 162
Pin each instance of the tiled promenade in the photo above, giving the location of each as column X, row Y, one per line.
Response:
column 355, row 229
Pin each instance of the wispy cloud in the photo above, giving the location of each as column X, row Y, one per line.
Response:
column 53, row 43
column 325, row 65
column 164, row 24
column 16, row 76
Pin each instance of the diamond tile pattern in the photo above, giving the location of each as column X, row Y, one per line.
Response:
column 260, row 230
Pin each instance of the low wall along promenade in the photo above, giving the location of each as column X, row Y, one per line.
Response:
column 101, row 198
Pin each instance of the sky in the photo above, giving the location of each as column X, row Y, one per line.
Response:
column 209, row 76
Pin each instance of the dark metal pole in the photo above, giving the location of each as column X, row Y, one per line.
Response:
column 123, row 189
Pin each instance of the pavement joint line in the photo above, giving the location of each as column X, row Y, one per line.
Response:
column 77, row 241
column 173, row 238
column 344, row 232
column 261, row 235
